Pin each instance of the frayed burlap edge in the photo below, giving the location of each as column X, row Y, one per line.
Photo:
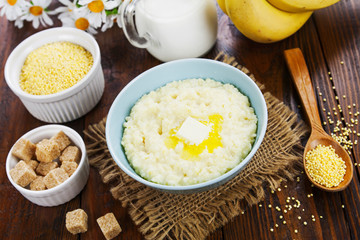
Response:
column 161, row 215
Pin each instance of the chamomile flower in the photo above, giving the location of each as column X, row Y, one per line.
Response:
column 65, row 11
column 78, row 20
column 95, row 10
column 36, row 12
column 12, row 8
column 83, row 14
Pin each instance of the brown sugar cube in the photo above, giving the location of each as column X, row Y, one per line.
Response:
column 55, row 177
column 24, row 149
column 71, row 153
column 32, row 163
column 45, row 167
column 76, row 221
column 69, row 167
column 38, row 184
column 47, row 150
column 22, row 174
column 62, row 140
column 109, row 225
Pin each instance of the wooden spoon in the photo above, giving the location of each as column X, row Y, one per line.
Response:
column 300, row 75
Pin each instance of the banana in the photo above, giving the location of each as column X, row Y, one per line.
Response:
column 301, row 5
column 222, row 5
column 263, row 23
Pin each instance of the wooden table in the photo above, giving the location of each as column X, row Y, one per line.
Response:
column 330, row 41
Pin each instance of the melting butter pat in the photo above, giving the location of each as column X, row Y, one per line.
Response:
column 193, row 131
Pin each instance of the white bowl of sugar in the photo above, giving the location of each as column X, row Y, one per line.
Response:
column 67, row 189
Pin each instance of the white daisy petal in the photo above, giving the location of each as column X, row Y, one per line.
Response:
column 64, row 15
column 67, row 22
column 61, row 9
column 112, row 4
column 84, row 2
column 91, row 30
column 36, row 23
column 19, row 23
column 42, row 22
column 19, row 11
column 66, row 2
column 47, row 19
column 103, row 16
column 2, row 11
column 37, row 2
column 47, row 3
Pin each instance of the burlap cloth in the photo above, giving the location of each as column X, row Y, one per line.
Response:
column 162, row 215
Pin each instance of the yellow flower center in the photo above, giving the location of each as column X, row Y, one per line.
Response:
column 36, row 10
column 82, row 23
column 11, row 2
column 96, row 6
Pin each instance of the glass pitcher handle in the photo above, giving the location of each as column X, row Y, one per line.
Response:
column 127, row 19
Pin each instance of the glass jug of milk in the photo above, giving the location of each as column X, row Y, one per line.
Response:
column 170, row 29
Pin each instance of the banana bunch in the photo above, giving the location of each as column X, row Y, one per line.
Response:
column 267, row 21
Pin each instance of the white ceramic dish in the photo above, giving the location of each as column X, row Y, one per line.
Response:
column 173, row 71
column 68, row 189
column 71, row 103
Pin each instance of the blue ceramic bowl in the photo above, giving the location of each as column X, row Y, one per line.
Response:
column 179, row 70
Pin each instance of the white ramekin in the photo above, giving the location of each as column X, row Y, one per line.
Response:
column 66, row 190
column 66, row 105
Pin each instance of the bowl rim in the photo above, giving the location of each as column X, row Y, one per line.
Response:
column 202, row 185
column 52, row 35
column 61, row 187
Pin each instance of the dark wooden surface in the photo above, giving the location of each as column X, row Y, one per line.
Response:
column 331, row 36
